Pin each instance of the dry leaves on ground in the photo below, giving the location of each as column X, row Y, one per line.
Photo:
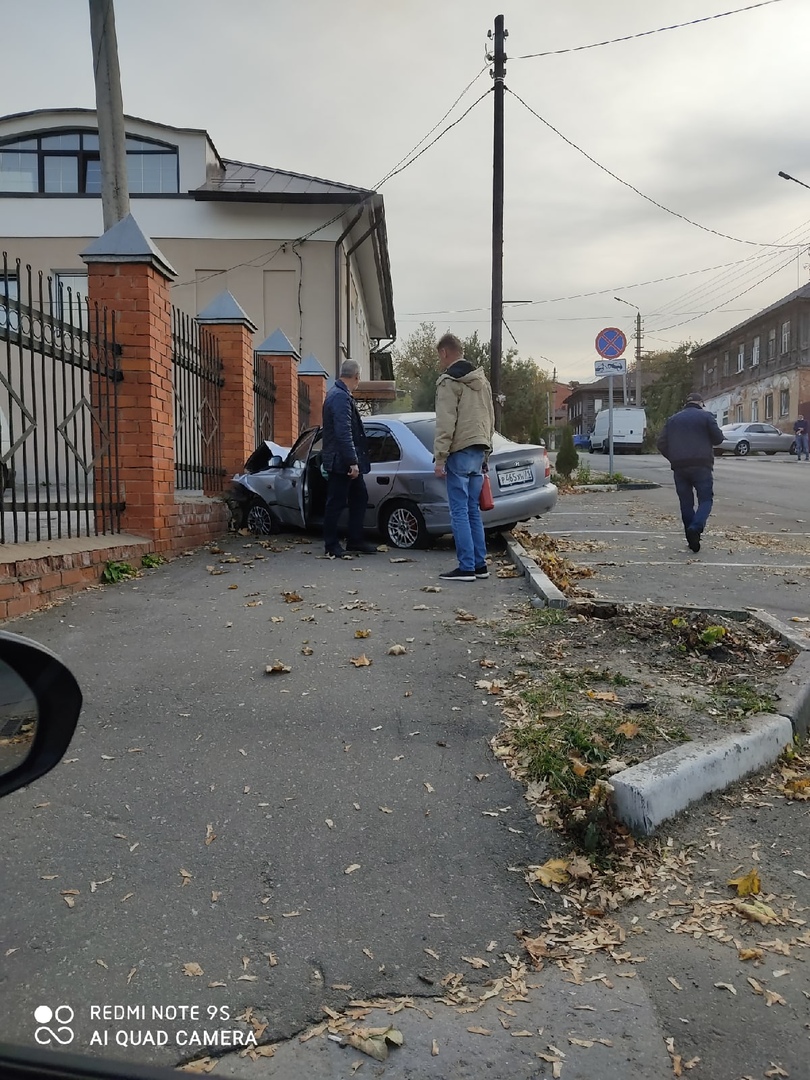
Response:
column 277, row 668
column 360, row 661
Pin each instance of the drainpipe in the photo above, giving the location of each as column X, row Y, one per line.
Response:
column 375, row 224
column 338, row 245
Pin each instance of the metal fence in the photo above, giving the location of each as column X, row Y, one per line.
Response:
column 59, row 375
column 198, row 383
column 304, row 406
column 264, row 397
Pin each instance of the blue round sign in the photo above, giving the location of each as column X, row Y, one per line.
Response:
column 610, row 343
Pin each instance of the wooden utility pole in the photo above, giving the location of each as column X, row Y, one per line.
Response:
column 498, row 58
column 638, row 359
column 110, row 112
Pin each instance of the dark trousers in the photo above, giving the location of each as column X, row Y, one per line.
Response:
column 340, row 492
column 696, row 480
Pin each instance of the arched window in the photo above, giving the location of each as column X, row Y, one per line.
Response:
column 67, row 163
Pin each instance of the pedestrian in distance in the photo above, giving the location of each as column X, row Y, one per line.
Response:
column 801, row 429
column 465, row 425
column 687, row 441
column 345, row 461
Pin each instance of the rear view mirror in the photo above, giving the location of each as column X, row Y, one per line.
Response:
column 276, row 461
column 40, row 702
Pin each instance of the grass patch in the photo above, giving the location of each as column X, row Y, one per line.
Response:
column 151, row 560
column 740, row 698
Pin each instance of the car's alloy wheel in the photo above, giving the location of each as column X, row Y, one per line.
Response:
column 404, row 526
column 260, row 518
column 742, row 448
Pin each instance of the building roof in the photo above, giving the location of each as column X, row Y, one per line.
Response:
column 802, row 293
column 244, row 181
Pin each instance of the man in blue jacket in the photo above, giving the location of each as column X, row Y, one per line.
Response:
column 687, row 442
column 345, row 460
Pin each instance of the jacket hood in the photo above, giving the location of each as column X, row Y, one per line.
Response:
column 463, row 371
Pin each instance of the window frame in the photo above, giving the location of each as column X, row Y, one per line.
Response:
column 755, row 411
column 741, row 357
column 755, row 349
column 784, row 402
column 738, row 409
column 784, row 337
column 769, row 406
column 11, row 321
column 772, row 343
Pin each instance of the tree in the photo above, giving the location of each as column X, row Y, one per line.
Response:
column 675, row 374
column 567, row 457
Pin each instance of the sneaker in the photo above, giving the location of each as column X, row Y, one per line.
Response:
column 363, row 548
column 458, row 575
column 693, row 539
column 482, row 571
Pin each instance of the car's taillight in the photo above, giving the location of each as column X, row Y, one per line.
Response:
column 547, row 465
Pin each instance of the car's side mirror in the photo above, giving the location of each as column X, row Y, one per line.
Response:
column 40, row 702
column 275, row 462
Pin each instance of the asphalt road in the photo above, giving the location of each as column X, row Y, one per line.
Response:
column 755, row 552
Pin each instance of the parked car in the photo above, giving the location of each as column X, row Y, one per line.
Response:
column 582, row 442
column 629, row 430
column 407, row 502
column 744, row 439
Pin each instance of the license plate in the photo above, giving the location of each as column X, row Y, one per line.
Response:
column 510, row 477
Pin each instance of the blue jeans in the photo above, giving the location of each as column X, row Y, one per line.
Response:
column 691, row 481
column 802, row 446
column 465, row 479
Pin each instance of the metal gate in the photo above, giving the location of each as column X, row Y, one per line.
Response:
column 198, row 382
column 264, row 397
column 59, row 375
column 304, row 406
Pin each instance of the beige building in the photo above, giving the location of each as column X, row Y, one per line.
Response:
column 306, row 255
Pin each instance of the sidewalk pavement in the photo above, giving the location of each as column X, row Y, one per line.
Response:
column 225, row 838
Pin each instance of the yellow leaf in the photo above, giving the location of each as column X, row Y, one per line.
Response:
column 602, row 695
column 749, row 954
column 747, row 885
column 578, row 767
column 628, row 729
column 555, row 871
column 192, row 969
column 362, row 633
column 360, row 661
column 292, row 598
column 277, row 668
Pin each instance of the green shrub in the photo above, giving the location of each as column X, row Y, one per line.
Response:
column 117, row 571
column 567, row 457
column 151, row 560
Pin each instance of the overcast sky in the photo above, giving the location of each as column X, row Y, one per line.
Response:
column 701, row 119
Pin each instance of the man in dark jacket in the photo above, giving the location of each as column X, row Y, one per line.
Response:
column 687, row 442
column 345, row 460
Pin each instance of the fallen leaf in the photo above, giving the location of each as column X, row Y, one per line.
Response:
column 214, row 985
column 434, row 1049
column 186, row 876
column 465, row 616
column 307, row 650
column 726, row 986
column 479, row 1031
column 587, row 1043
column 748, row 885
column 132, row 973
column 200, row 1065
column 248, row 978
column 749, row 954
column 781, row 973
column 362, row 633
column 192, row 969
column 292, row 598
column 481, row 775
column 210, row 835
column 603, row 695
column 420, row 607
column 674, row 982
column 429, row 787
column 277, row 668
column 755, row 986
column 276, row 618
column 329, row 823
column 254, row 603
column 772, row 998
column 397, row 650
column 431, row 588
column 400, row 560
column 628, row 729
column 386, row 809
column 775, row 1071
column 360, row 661
column 351, row 869
column 102, row 964
column 433, row 953
column 756, row 911
column 475, row 962
column 555, row 871
column 368, row 953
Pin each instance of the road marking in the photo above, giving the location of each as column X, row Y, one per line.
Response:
column 603, row 532
column 669, row 562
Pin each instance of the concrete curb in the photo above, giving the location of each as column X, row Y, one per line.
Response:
column 649, row 793
column 538, row 582
column 781, row 628
column 793, row 691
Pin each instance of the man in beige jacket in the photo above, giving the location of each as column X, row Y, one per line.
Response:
column 465, row 423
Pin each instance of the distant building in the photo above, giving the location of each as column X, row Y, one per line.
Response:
column 759, row 370
column 585, row 400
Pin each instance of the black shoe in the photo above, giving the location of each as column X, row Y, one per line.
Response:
column 335, row 553
column 482, row 571
column 363, row 548
column 693, row 539
column 458, row 575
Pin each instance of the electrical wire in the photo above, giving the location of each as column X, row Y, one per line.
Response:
column 627, row 184
column 646, row 33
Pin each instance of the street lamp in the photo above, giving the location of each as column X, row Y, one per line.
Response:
column 638, row 351
column 787, row 176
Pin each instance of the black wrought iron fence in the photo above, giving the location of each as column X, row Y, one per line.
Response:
column 304, row 406
column 198, row 382
column 264, row 397
column 59, row 375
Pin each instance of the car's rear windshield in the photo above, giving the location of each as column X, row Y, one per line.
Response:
column 425, row 431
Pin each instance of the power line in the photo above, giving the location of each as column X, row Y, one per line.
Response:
column 646, row 33
column 627, row 184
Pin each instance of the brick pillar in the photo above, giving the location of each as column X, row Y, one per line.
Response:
column 283, row 359
column 127, row 274
column 312, row 373
column 228, row 324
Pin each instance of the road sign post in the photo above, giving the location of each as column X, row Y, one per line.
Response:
column 610, row 344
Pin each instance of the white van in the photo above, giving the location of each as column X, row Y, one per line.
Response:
column 629, row 430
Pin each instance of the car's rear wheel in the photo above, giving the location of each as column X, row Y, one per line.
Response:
column 260, row 518
column 742, row 449
column 403, row 526
column 792, row 448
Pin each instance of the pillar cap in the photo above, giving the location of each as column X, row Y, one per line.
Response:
column 225, row 308
column 310, row 365
column 125, row 242
column 278, row 344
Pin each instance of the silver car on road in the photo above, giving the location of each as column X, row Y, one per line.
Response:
column 745, row 439
column 407, row 502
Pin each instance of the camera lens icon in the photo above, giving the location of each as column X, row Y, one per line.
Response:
column 61, row 1015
